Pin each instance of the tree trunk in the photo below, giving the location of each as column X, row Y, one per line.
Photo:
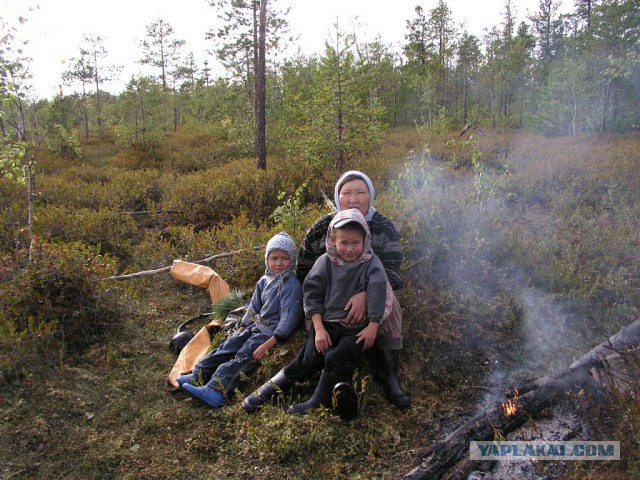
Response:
column 261, row 121
column 340, row 112
column 465, row 95
column 97, row 82
column 31, row 188
column 605, row 97
column 86, row 114
column 175, row 116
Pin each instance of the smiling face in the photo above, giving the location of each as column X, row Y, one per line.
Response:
column 278, row 261
column 355, row 194
column 349, row 243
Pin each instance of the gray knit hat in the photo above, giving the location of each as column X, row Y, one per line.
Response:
column 281, row 241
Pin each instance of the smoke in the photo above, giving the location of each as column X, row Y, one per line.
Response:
column 548, row 328
column 492, row 245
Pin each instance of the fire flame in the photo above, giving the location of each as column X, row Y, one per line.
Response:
column 510, row 407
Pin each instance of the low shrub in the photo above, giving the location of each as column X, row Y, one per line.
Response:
column 112, row 231
column 13, row 215
column 217, row 195
column 91, row 187
column 53, row 306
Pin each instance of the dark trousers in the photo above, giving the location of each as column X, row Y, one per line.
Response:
column 341, row 359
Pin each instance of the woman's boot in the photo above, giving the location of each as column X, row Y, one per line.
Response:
column 387, row 364
column 263, row 394
column 321, row 396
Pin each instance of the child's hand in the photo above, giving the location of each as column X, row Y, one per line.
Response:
column 260, row 352
column 323, row 340
column 357, row 308
column 368, row 335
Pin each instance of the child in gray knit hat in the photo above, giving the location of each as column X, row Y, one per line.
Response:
column 272, row 316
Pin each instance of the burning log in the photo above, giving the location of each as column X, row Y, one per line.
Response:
column 604, row 355
column 449, row 458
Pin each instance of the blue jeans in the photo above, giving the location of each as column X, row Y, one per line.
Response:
column 224, row 366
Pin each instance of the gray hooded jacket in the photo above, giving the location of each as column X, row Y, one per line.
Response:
column 332, row 281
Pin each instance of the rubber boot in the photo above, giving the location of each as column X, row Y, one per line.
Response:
column 387, row 363
column 266, row 392
column 187, row 378
column 206, row 394
column 321, row 396
column 345, row 401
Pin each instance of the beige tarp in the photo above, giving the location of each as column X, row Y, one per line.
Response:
column 200, row 276
column 203, row 277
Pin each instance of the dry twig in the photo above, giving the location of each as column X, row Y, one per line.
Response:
column 166, row 269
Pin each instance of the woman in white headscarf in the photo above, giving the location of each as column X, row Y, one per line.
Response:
column 355, row 190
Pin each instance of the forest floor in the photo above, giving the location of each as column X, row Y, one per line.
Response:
column 105, row 413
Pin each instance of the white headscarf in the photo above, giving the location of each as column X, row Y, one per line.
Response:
column 367, row 180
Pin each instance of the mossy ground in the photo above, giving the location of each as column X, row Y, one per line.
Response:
column 556, row 234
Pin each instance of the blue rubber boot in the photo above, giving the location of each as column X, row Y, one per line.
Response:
column 187, row 378
column 206, row 394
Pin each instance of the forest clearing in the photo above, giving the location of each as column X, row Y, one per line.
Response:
column 508, row 164
column 513, row 268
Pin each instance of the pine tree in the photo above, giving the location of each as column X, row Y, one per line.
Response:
column 81, row 71
column 160, row 49
column 469, row 59
column 250, row 29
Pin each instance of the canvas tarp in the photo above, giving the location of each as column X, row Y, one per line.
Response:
column 203, row 277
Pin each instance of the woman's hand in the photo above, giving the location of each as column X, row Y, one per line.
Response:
column 357, row 307
column 368, row 335
column 323, row 340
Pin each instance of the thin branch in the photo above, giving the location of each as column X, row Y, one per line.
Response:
column 150, row 212
column 166, row 269
column 327, row 200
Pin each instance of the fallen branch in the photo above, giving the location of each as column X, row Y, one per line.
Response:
column 471, row 126
column 150, row 212
column 167, row 269
column 327, row 200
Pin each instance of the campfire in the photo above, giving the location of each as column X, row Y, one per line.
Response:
column 449, row 458
column 510, row 407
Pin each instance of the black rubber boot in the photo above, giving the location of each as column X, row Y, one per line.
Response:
column 266, row 392
column 387, row 363
column 321, row 396
column 345, row 401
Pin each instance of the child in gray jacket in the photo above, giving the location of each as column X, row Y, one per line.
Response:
column 349, row 266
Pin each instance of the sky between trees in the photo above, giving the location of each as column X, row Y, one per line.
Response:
column 55, row 28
